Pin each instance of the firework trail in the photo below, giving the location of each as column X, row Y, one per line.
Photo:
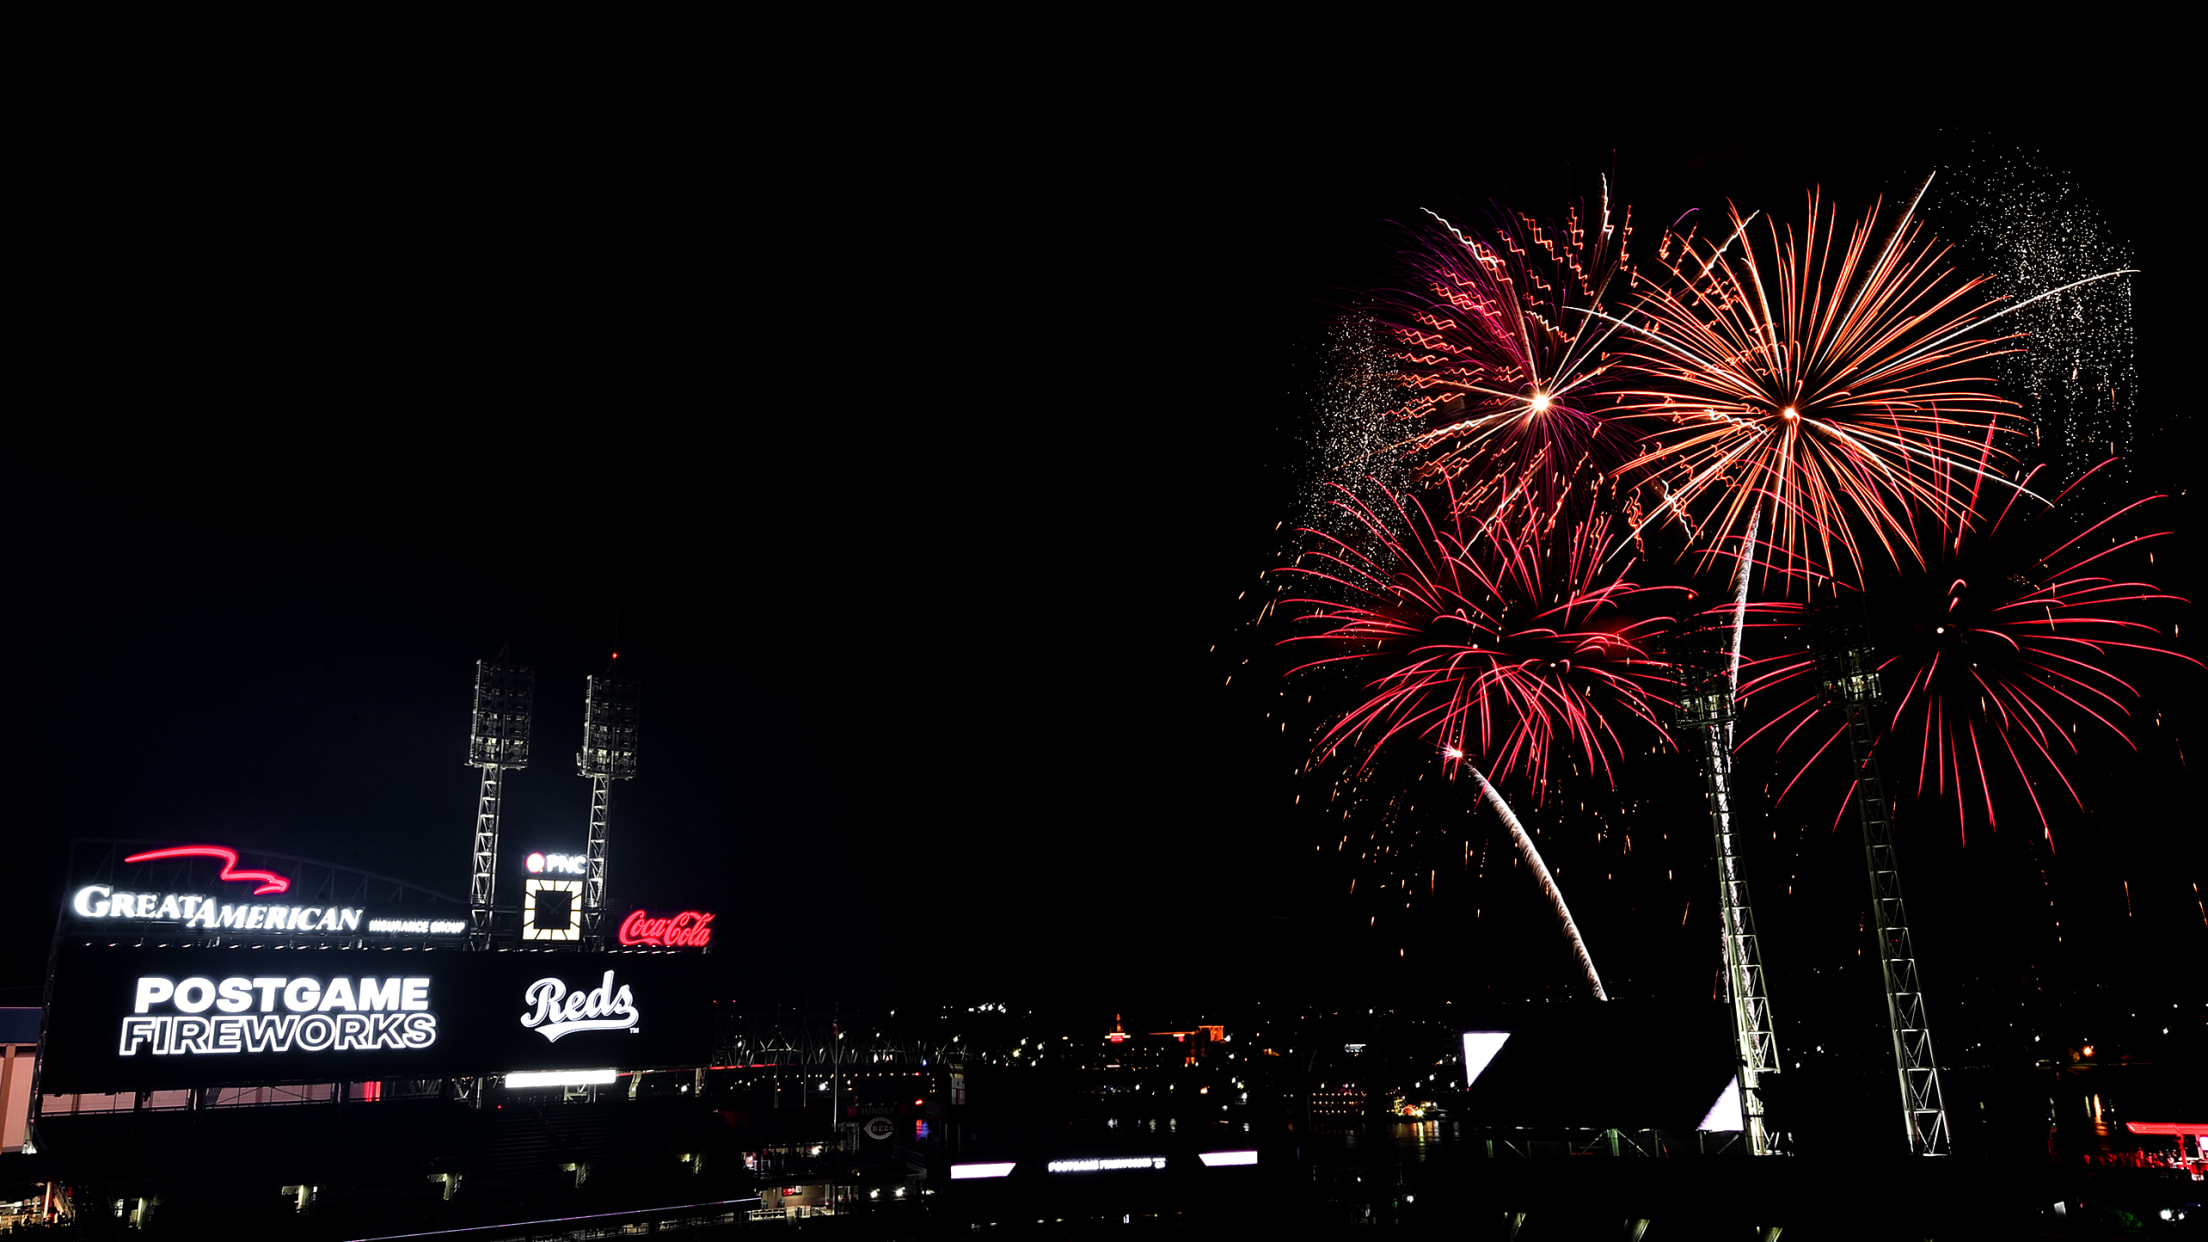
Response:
column 1498, row 354
column 1999, row 650
column 1503, row 637
column 1524, row 842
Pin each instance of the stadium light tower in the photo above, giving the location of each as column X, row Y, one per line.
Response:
column 608, row 755
column 1851, row 681
column 498, row 740
column 1706, row 712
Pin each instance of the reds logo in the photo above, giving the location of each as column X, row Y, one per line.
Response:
column 560, row 1012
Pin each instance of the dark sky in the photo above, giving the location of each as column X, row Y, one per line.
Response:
column 914, row 461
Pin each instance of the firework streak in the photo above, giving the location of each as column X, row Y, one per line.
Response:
column 1549, row 889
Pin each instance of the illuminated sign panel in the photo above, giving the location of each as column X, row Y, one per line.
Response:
column 168, row 1020
column 269, row 881
column 552, row 910
column 687, row 930
column 562, row 1078
column 136, row 1018
column 197, row 912
column 558, row 1011
column 1106, row 1164
column 164, row 902
column 557, row 864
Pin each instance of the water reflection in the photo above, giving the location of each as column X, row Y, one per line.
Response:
column 1410, row 1142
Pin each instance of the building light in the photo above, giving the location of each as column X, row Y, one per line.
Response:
column 1104, row 1165
column 1725, row 1113
column 1480, row 1048
column 963, row 1172
column 562, row 1078
column 1215, row 1159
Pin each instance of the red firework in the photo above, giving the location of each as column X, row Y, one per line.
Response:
column 1814, row 383
column 1997, row 654
column 1493, row 641
column 1502, row 358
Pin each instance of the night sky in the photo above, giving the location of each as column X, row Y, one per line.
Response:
column 914, row 464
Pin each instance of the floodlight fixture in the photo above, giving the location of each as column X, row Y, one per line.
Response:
column 498, row 740
column 610, row 710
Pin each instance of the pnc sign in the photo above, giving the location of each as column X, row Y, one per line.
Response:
column 557, row 864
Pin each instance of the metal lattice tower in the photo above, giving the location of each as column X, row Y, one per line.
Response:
column 1706, row 713
column 608, row 755
column 1851, row 681
column 497, row 740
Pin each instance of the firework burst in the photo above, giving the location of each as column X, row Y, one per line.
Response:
column 1816, row 383
column 1505, row 640
column 1493, row 644
column 1498, row 353
column 1996, row 655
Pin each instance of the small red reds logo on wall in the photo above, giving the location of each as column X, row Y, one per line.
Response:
column 688, row 930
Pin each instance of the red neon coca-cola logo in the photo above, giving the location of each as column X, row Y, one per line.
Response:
column 687, row 930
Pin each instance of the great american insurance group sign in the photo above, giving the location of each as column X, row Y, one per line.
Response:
column 245, row 902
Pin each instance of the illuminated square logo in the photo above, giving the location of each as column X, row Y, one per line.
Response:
column 551, row 910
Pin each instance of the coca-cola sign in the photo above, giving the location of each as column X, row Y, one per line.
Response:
column 687, row 930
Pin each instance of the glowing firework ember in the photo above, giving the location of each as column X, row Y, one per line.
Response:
column 2033, row 228
column 1501, row 359
column 1997, row 654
